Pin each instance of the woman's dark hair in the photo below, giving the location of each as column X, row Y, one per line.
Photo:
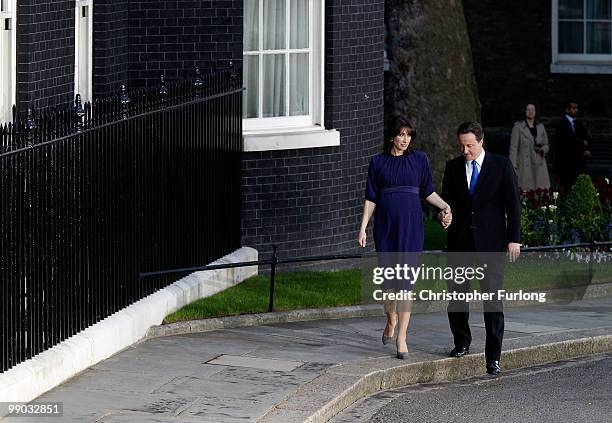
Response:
column 393, row 129
column 471, row 128
column 537, row 108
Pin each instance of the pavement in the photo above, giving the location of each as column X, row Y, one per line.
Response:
column 309, row 370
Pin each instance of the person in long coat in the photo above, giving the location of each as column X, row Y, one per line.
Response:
column 528, row 149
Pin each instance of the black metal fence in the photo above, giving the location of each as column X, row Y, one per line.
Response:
column 96, row 193
column 273, row 262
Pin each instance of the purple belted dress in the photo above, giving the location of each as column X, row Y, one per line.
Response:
column 396, row 184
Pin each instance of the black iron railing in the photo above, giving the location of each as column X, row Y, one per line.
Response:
column 94, row 194
column 274, row 261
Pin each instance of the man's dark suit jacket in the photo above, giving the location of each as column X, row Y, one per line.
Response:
column 483, row 215
column 569, row 150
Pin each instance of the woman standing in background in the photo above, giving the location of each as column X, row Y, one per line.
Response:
column 528, row 150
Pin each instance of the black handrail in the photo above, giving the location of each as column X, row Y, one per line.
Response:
column 273, row 261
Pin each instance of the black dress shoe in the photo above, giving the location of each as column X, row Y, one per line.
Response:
column 493, row 368
column 460, row 351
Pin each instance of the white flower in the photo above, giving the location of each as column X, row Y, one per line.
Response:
column 607, row 181
column 543, row 208
column 555, row 195
column 550, row 221
column 552, row 207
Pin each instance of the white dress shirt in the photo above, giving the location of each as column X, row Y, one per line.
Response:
column 468, row 167
column 572, row 121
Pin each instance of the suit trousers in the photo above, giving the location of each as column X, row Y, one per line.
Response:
column 458, row 311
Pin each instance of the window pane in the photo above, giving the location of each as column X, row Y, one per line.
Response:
column 570, row 37
column 298, row 84
column 251, row 25
column 570, row 9
column 598, row 9
column 274, row 15
column 273, row 90
column 298, row 34
column 250, row 96
column 598, row 38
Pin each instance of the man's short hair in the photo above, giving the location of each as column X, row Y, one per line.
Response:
column 568, row 104
column 471, row 128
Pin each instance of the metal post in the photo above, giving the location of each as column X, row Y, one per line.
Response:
column 591, row 258
column 124, row 99
column 30, row 127
column 79, row 113
column 274, row 260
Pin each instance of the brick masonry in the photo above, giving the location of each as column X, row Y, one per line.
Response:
column 512, row 59
column 172, row 37
column 309, row 201
column 45, row 53
column 111, row 46
column 134, row 42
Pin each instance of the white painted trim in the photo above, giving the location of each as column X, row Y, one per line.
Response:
column 604, row 69
column 33, row 377
column 273, row 123
column 77, row 20
column 14, row 47
column 291, row 139
column 316, row 87
column 554, row 31
column 10, row 13
column 574, row 63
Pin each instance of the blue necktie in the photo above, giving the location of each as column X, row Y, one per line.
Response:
column 474, row 177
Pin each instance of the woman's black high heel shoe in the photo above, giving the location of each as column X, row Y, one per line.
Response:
column 401, row 355
column 387, row 339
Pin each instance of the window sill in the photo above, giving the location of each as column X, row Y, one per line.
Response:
column 290, row 139
column 583, row 68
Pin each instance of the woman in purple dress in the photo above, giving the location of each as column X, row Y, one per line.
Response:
column 397, row 178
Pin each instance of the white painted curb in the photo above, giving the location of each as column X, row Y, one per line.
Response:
column 33, row 377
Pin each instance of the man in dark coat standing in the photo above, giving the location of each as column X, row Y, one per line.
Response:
column 482, row 191
column 571, row 146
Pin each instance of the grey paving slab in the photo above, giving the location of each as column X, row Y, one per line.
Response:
column 171, row 379
column 526, row 327
column 255, row 362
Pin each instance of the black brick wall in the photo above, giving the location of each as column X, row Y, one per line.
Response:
column 111, row 46
column 45, row 53
column 512, row 56
column 171, row 37
column 134, row 42
column 309, row 201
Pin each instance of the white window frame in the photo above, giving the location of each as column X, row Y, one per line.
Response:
column 85, row 95
column 10, row 13
column 288, row 132
column 575, row 63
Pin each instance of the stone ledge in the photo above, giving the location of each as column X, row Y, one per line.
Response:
column 33, row 377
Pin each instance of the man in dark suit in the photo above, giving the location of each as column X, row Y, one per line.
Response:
column 571, row 146
column 482, row 191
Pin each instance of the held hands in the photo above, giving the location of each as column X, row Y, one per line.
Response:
column 514, row 250
column 445, row 217
column 362, row 238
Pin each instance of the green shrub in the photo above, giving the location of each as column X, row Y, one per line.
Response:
column 581, row 211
